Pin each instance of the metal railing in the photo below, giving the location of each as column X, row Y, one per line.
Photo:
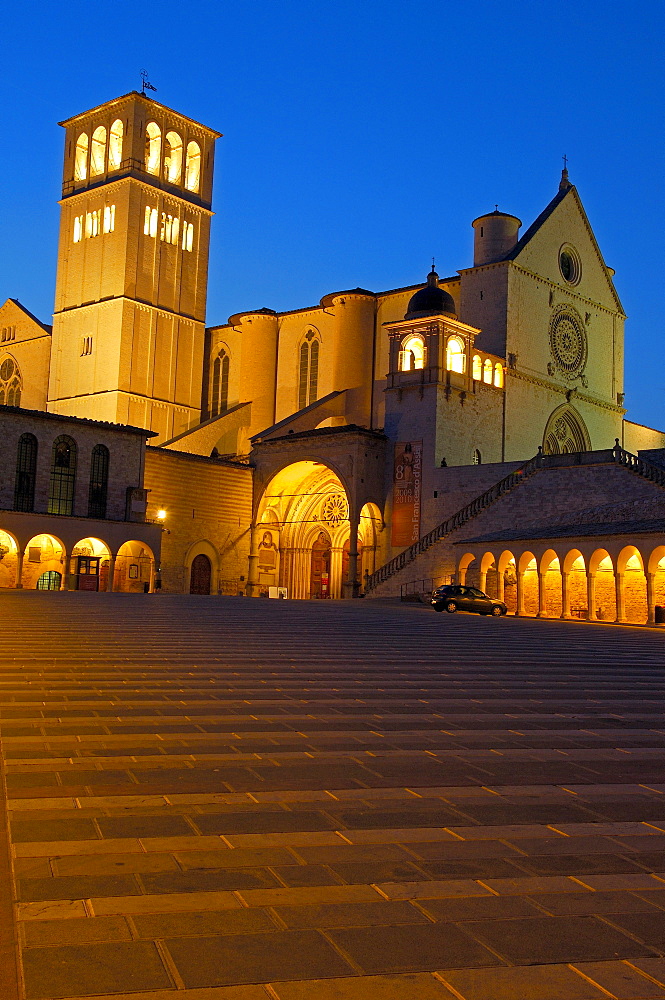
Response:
column 618, row 455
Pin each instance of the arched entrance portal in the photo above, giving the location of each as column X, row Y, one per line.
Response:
column 201, row 574
column 302, row 529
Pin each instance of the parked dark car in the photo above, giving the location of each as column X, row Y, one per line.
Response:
column 456, row 598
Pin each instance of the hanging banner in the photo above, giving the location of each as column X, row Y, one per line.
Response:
column 407, row 484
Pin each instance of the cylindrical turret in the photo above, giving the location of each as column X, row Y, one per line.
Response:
column 495, row 235
column 354, row 313
column 258, row 369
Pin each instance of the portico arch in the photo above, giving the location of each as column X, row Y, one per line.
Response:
column 527, row 585
column 631, row 586
column 89, row 565
column 549, row 585
column 574, row 585
column 44, row 554
column 9, row 560
column 463, row 566
column 507, row 580
column 134, row 568
column 565, row 432
column 602, row 593
column 656, row 580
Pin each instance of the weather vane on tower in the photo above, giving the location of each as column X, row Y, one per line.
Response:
column 146, row 85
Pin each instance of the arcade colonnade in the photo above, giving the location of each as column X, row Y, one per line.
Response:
column 615, row 582
column 64, row 560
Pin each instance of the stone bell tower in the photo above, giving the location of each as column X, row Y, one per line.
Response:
column 128, row 330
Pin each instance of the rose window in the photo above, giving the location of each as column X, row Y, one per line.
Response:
column 335, row 509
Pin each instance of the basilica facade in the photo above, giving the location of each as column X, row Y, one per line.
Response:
column 300, row 452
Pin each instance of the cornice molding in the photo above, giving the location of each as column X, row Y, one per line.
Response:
column 563, row 391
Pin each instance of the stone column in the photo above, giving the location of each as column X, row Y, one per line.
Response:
column 19, row 569
column 336, row 583
column 65, row 571
column 111, row 581
column 565, row 595
column 253, row 570
column 620, row 597
column 461, row 576
column 542, row 604
column 651, row 598
column 483, row 581
column 500, row 588
column 519, row 575
column 352, row 584
column 591, row 596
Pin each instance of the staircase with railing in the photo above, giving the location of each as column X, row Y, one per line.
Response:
column 616, row 455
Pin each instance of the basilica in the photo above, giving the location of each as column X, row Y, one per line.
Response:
column 376, row 442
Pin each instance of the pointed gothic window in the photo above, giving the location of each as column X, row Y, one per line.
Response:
column 308, row 372
column 81, row 158
column 11, row 383
column 99, row 481
column 63, row 476
column 219, row 397
column 193, row 167
column 98, row 151
column 173, row 157
column 153, row 148
column 115, row 144
column 26, row 471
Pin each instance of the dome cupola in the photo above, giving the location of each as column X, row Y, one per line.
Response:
column 430, row 300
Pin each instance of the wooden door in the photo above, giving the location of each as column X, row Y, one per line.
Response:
column 199, row 580
column 319, row 583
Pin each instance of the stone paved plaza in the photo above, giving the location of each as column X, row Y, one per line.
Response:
column 224, row 799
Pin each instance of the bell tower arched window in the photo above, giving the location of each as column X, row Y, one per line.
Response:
column 308, row 373
column 98, row 152
column 99, row 481
column 153, row 148
column 193, row 167
column 172, row 158
column 219, row 397
column 412, row 354
column 26, row 472
column 455, row 356
column 115, row 144
column 81, row 158
column 63, row 476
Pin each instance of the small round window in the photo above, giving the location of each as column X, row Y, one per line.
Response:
column 569, row 264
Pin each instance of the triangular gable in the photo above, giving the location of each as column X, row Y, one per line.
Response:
column 14, row 313
column 565, row 211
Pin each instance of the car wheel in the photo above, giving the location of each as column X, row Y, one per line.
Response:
column 497, row 610
column 451, row 607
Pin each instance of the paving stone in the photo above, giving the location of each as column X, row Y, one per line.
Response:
column 350, row 914
column 552, row 982
column 209, row 879
column 411, row 948
column 41, row 933
column 202, row 923
column 479, row 908
column 53, row 830
column 648, row 927
column 93, row 968
column 76, row 887
column 420, row 986
column 556, row 939
column 143, row 826
column 252, row 958
column 621, row 981
column 236, row 858
column 114, row 864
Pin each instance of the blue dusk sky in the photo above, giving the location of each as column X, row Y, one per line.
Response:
column 360, row 139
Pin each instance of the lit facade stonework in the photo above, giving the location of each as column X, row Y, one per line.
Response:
column 305, row 450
